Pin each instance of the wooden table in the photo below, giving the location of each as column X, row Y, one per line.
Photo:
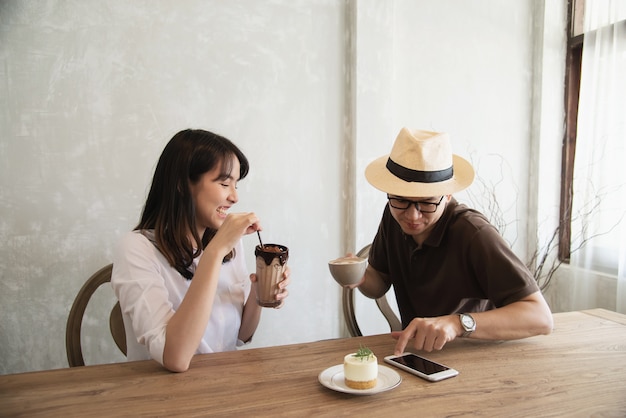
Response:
column 579, row 370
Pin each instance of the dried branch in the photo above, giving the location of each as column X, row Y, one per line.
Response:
column 486, row 201
column 543, row 263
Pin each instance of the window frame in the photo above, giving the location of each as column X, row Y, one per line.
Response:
column 575, row 37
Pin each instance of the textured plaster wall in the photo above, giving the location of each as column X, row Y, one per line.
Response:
column 312, row 90
column 91, row 91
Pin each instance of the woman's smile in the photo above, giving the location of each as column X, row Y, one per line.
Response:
column 222, row 211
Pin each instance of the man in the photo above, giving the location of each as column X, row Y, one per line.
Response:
column 452, row 272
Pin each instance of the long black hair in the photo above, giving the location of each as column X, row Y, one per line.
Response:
column 169, row 208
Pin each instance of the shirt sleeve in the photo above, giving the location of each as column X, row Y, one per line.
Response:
column 138, row 282
column 502, row 275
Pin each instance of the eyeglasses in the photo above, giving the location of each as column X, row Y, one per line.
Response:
column 424, row 207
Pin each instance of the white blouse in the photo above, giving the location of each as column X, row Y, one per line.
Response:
column 150, row 291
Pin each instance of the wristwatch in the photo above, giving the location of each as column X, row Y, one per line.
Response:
column 468, row 323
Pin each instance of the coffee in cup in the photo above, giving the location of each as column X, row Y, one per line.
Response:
column 348, row 271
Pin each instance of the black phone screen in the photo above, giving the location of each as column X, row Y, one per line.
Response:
column 420, row 364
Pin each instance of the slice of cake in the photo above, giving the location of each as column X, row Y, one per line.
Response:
column 360, row 369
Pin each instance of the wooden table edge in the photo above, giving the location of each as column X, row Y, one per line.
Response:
column 606, row 314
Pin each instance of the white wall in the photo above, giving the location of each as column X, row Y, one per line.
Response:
column 312, row 90
column 473, row 69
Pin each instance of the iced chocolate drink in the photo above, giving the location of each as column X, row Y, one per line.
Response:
column 270, row 265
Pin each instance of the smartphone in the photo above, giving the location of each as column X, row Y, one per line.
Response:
column 419, row 366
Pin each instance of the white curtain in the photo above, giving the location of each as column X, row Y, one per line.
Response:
column 599, row 203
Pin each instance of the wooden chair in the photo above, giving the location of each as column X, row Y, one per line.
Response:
column 75, row 319
column 383, row 305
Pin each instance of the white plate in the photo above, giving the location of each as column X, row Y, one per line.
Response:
column 333, row 379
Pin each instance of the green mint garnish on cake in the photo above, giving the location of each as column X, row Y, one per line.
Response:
column 363, row 353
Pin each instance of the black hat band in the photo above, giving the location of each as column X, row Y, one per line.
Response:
column 417, row 176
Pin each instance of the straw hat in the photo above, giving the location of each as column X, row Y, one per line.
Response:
column 421, row 164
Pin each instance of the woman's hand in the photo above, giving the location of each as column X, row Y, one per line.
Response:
column 282, row 286
column 233, row 228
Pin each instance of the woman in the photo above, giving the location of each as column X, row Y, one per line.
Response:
column 181, row 276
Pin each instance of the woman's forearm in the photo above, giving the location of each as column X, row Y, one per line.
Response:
column 250, row 317
column 187, row 326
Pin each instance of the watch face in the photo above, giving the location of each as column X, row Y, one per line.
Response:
column 467, row 321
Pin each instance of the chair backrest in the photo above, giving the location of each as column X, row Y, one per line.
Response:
column 75, row 318
column 383, row 305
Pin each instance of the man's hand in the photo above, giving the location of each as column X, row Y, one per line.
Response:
column 428, row 334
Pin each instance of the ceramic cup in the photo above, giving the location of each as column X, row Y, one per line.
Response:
column 347, row 270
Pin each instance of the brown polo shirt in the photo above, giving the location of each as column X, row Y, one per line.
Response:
column 463, row 266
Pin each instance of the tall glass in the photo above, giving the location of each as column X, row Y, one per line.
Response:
column 270, row 265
